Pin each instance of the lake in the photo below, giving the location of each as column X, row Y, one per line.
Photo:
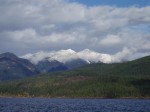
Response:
column 73, row 105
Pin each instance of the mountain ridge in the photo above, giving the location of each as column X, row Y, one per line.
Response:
column 18, row 67
column 68, row 55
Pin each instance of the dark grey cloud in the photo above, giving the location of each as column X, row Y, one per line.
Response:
column 36, row 25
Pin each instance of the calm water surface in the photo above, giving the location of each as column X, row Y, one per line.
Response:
column 73, row 105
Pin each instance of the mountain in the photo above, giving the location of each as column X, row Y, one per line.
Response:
column 12, row 67
column 115, row 80
column 69, row 58
column 75, row 63
column 46, row 66
column 61, row 56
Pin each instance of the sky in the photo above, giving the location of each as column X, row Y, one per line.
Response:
column 117, row 3
column 106, row 26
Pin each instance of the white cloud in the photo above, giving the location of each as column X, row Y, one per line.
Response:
column 35, row 25
column 32, row 38
column 122, row 55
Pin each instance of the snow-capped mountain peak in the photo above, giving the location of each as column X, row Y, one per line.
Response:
column 61, row 56
column 94, row 57
column 69, row 51
column 64, row 56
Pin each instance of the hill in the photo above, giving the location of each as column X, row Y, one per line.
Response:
column 12, row 67
column 137, row 67
column 128, row 79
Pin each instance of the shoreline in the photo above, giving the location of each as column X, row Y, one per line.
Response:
column 74, row 97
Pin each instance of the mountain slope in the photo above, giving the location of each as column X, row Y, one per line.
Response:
column 75, row 63
column 12, row 67
column 46, row 66
column 137, row 67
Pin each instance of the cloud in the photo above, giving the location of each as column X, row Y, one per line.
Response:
column 123, row 55
column 36, row 25
column 110, row 40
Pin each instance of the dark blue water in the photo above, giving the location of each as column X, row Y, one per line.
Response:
column 73, row 105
